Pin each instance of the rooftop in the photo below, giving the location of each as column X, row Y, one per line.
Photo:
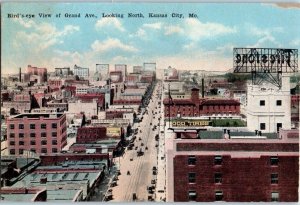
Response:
column 38, row 115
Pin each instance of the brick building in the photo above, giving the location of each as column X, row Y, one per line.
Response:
column 40, row 72
column 99, row 97
column 116, row 76
column 39, row 133
column 90, row 134
column 55, row 83
column 196, row 107
column 233, row 170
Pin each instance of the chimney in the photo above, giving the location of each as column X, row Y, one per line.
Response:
column 195, row 94
column 202, row 88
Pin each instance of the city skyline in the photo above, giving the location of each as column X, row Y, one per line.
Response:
column 203, row 43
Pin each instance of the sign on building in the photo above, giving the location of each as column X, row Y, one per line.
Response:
column 113, row 131
column 190, row 123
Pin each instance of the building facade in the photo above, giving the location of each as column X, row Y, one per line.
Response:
column 39, row 133
column 196, row 107
column 40, row 73
column 81, row 72
column 102, row 71
column 269, row 107
column 233, row 170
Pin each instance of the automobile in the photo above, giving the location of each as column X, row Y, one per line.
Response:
column 142, row 144
column 140, row 153
column 154, row 168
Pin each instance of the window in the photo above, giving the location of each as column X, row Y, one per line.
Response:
column 21, row 135
column 219, row 195
column 12, row 126
column 44, row 142
column 54, row 142
column 21, row 126
column 274, row 196
column 262, row 126
column 43, row 126
column 192, row 195
column 278, row 102
column 12, row 151
column 12, row 135
column 21, row 151
column 54, row 134
column 11, row 143
column 274, row 161
column 192, row 177
column 44, row 150
column 54, row 150
column 32, row 134
column 191, row 160
column 32, row 126
column 262, row 103
column 32, row 142
column 33, row 150
column 218, row 160
column 279, row 126
column 43, row 134
column 21, row 142
column 54, row 125
column 218, row 178
column 274, row 178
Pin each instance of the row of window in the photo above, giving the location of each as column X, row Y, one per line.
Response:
column 263, row 102
column 218, row 178
column 263, row 126
column 192, row 160
column 32, row 135
column 44, row 142
column 33, row 126
column 192, row 195
column 218, row 160
column 43, row 150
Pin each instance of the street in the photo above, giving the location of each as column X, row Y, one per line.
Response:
column 137, row 173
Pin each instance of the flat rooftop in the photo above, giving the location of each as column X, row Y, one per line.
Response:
column 38, row 115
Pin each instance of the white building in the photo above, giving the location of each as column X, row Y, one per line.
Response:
column 103, row 71
column 81, row 72
column 268, row 107
column 81, row 89
column 89, row 108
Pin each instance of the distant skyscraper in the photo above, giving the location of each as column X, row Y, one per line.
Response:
column 150, row 67
column 103, row 71
column 81, row 72
column 122, row 68
column 137, row 69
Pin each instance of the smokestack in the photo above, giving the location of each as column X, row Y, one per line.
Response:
column 20, row 74
column 202, row 88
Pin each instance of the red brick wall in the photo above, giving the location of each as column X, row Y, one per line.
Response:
column 90, row 134
column 49, row 160
column 270, row 147
column 61, row 137
column 194, row 110
column 243, row 179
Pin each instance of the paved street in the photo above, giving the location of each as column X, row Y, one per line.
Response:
column 140, row 167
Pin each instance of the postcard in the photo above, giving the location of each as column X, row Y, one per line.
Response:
column 140, row 102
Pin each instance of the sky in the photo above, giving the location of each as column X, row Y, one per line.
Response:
column 202, row 43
